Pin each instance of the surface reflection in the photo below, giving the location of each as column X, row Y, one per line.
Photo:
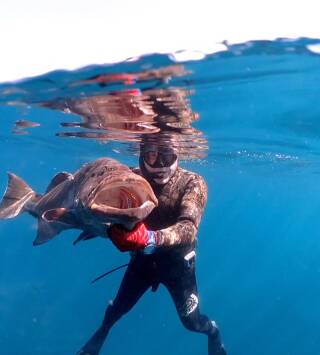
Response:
column 129, row 114
column 163, row 74
column 21, row 126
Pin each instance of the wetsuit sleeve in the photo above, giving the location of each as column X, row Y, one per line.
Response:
column 191, row 209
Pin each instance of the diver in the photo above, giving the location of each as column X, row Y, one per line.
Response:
column 163, row 246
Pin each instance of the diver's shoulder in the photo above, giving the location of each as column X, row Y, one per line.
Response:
column 189, row 174
column 191, row 179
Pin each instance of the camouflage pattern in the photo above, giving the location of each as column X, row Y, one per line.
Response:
column 181, row 204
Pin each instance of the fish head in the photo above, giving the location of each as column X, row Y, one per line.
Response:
column 123, row 200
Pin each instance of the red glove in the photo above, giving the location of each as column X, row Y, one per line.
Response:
column 138, row 238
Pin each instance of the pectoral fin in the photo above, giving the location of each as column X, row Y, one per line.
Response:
column 60, row 215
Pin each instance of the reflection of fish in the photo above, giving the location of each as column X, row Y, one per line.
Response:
column 125, row 112
column 99, row 193
column 20, row 126
column 26, row 124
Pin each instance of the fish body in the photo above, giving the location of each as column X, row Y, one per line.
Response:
column 100, row 193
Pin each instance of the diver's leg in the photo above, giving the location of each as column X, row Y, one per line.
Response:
column 183, row 290
column 131, row 289
column 215, row 346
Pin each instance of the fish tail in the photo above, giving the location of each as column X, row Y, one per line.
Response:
column 17, row 194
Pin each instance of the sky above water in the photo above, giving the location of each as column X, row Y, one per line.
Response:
column 40, row 36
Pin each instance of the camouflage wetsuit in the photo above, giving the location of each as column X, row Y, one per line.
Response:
column 176, row 220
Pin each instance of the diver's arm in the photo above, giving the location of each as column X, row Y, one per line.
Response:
column 191, row 209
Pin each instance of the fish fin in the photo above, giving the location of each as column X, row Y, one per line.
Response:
column 17, row 194
column 61, row 215
column 47, row 231
column 84, row 236
column 58, row 179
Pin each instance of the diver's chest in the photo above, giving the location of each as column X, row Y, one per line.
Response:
column 168, row 203
column 167, row 211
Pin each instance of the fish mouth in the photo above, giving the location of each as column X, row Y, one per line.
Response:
column 128, row 202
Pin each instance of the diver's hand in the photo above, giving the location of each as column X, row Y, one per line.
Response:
column 137, row 239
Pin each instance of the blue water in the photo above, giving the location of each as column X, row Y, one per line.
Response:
column 258, row 262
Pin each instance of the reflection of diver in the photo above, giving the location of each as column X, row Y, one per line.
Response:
column 163, row 248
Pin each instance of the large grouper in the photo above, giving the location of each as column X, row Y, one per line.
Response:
column 100, row 193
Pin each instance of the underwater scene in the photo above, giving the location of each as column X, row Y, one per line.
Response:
column 246, row 120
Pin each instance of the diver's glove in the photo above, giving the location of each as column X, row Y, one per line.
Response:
column 139, row 238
